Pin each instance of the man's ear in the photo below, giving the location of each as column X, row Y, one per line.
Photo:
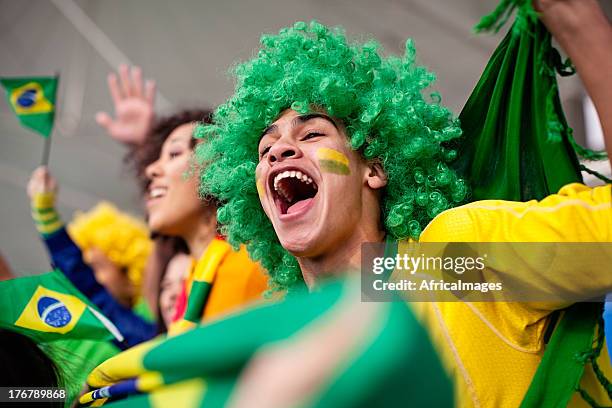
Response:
column 376, row 176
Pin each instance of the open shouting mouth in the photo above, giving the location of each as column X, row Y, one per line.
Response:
column 293, row 190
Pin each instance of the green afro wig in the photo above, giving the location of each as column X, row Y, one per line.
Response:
column 379, row 101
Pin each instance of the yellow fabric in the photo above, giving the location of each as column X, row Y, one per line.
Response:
column 206, row 269
column 43, row 200
column 186, row 394
column 238, row 281
column 492, row 349
column 127, row 364
column 180, row 326
column 124, row 239
column 44, row 217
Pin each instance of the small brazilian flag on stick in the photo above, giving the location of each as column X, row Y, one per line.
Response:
column 48, row 307
column 33, row 101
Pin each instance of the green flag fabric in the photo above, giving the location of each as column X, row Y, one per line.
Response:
column 33, row 101
column 516, row 143
column 48, row 307
column 395, row 365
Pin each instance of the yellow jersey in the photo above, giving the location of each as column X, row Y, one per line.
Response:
column 492, row 349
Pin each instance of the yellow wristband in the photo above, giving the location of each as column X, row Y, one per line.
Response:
column 43, row 200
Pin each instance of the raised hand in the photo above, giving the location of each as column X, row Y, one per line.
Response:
column 134, row 106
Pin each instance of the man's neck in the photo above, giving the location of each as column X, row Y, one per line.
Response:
column 342, row 258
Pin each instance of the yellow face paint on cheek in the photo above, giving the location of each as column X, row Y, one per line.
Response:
column 261, row 190
column 333, row 161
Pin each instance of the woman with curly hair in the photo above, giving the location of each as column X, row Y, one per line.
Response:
column 218, row 280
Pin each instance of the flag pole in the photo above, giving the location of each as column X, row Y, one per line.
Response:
column 46, row 151
column 47, row 147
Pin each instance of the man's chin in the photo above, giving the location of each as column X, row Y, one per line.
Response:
column 301, row 248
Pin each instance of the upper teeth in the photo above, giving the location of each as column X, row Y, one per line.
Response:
column 157, row 192
column 293, row 173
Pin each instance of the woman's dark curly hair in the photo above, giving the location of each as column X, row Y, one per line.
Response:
column 378, row 99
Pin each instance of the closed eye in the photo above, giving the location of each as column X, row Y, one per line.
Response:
column 265, row 150
column 311, row 135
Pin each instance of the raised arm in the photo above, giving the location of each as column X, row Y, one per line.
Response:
column 68, row 258
column 585, row 34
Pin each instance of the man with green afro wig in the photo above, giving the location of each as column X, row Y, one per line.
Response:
column 377, row 101
column 326, row 145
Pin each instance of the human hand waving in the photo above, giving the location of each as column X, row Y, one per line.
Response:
column 134, row 102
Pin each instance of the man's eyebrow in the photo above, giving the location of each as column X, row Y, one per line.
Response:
column 269, row 129
column 299, row 120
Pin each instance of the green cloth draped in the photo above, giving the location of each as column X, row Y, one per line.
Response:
column 517, row 144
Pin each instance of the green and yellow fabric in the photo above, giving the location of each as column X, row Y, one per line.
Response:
column 46, row 218
column 517, row 145
column 200, row 367
column 48, row 307
column 496, row 352
column 33, row 101
column 222, row 281
column 57, row 316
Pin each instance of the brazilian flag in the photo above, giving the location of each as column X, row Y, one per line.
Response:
column 33, row 101
column 48, row 307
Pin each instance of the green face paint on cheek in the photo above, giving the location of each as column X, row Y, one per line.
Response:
column 333, row 161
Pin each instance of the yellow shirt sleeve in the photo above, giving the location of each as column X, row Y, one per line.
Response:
column 577, row 214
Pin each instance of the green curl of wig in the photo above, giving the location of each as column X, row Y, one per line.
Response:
column 378, row 99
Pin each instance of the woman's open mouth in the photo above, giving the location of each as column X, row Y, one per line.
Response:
column 293, row 191
column 154, row 194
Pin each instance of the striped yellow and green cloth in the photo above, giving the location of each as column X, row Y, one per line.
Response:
column 44, row 214
column 203, row 278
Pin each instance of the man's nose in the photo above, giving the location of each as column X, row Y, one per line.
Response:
column 283, row 150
